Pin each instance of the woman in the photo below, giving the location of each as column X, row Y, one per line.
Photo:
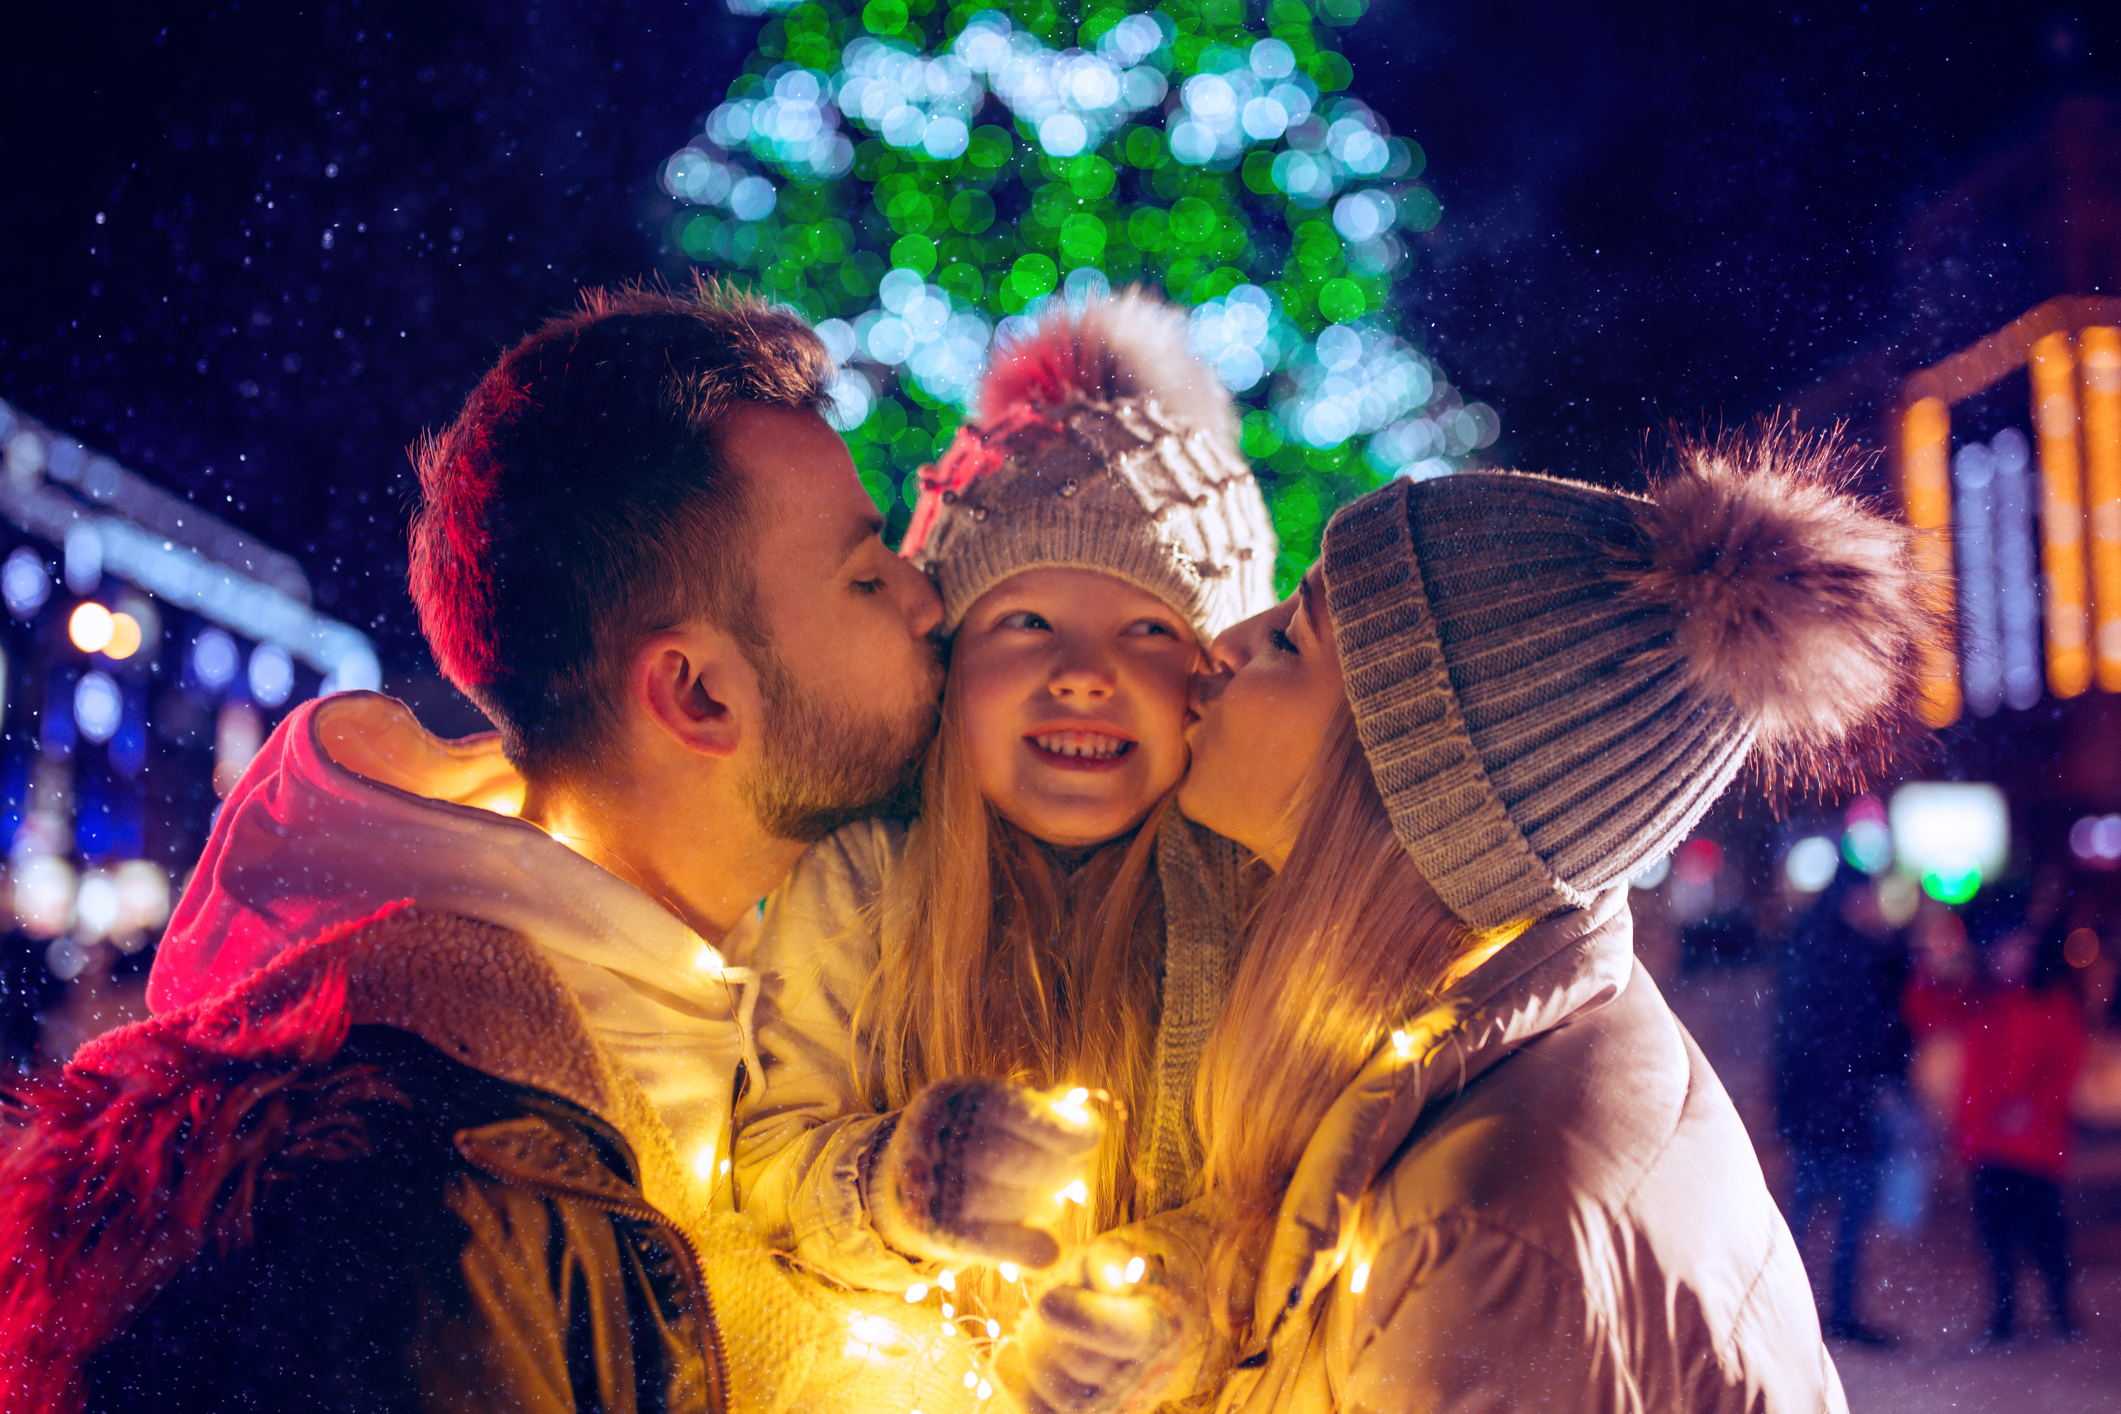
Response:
column 1460, row 1155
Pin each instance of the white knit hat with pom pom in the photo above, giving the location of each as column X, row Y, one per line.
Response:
column 1101, row 443
column 1553, row 682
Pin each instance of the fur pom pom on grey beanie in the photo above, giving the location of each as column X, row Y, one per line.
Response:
column 1553, row 682
column 1102, row 443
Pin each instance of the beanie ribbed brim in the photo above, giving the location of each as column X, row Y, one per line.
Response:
column 1436, row 790
column 1056, row 535
column 1118, row 490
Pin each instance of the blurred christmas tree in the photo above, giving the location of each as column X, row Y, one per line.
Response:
column 919, row 178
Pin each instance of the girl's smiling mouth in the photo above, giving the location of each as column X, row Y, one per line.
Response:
column 1079, row 749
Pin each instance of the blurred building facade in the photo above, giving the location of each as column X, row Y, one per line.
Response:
column 1994, row 392
column 1993, row 395
column 146, row 648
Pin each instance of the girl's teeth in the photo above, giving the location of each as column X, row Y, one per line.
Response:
column 1091, row 744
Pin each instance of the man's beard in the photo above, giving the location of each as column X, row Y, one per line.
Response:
column 824, row 765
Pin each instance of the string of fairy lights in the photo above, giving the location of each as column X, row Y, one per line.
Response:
column 921, row 179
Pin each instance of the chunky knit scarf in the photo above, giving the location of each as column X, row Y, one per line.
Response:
column 1202, row 875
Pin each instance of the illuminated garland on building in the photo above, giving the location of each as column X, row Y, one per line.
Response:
column 920, row 178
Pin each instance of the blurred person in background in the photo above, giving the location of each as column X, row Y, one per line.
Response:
column 1841, row 1056
column 2024, row 1031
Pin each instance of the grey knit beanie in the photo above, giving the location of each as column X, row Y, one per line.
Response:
column 1101, row 443
column 1553, row 682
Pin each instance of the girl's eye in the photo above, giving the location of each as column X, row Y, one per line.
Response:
column 869, row 586
column 1024, row 619
column 1282, row 641
column 1146, row 627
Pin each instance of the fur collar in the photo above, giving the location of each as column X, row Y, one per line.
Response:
column 154, row 1141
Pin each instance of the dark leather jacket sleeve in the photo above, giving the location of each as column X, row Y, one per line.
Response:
column 485, row 1250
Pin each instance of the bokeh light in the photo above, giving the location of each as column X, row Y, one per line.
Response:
column 98, row 707
column 25, row 583
column 124, row 637
column 214, row 659
column 272, row 675
column 1811, row 864
column 43, row 894
column 91, row 627
column 921, row 182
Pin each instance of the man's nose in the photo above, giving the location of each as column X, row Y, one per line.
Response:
column 924, row 607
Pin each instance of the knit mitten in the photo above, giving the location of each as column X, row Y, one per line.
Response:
column 974, row 1171
column 1122, row 1332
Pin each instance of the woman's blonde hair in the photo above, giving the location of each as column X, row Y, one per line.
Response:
column 1004, row 956
column 1349, row 941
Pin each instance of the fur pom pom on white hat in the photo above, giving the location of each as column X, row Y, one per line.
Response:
column 1103, row 443
column 1553, row 682
column 1131, row 347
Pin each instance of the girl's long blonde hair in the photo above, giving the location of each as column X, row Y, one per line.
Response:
column 1004, row 956
column 1348, row 942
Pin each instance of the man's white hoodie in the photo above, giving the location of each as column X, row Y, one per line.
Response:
column 353, row 806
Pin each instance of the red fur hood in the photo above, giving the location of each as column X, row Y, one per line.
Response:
column 142, row 1155
column 351, row 806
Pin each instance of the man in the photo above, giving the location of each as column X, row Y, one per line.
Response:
column 433, row 1108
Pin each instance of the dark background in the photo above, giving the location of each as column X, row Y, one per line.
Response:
column 1685, row 214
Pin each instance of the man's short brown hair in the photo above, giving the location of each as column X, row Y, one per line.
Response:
column 579, row 503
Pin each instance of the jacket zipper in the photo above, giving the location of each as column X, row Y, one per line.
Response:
column 709, row 1328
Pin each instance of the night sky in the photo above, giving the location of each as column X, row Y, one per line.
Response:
column 253, row 249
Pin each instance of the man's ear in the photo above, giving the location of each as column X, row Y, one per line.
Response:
column 698, row 687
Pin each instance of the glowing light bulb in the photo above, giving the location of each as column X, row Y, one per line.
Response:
column 1360, row 1280
column 949, row 1311
column 1009, row 1271
column 1402, row 1043
column 724, row 1166
column 947, row 1281
column 91, row 627
column 124, row 637
column 917, row 1293
column 994, row 1330
column 1076, row 1192
column 1112, row 1274
column 971, row 1379
column 1135, row 1267
column 708, row 960
column 1070, row 1106
column 985, row 1390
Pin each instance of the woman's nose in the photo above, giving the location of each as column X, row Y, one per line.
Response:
column 1236, row 645
column 1207, row 685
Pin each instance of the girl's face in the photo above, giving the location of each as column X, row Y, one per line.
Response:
column 1072, row 688
column 1264, row 713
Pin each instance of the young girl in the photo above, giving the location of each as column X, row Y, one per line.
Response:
column 933, row 989
column 1460, row 1154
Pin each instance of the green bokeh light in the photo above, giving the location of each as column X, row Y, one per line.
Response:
column 912, row 173
column 1955, row 886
